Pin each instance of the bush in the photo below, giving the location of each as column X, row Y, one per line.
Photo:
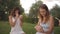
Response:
column 31, row 20
column 56, row 22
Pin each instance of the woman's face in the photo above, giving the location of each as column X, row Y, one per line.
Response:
column 42, row 11
column 16, row 12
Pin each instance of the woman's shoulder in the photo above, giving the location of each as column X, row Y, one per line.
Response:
column 51, row 18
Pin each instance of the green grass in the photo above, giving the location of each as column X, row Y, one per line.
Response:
column 27, row 27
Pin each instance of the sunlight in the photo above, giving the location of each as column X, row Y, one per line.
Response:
column 26, row 4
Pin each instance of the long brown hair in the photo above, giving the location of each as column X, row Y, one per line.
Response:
column 43, row 6
column 12, row 12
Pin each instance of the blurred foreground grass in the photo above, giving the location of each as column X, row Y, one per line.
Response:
column 27, row 27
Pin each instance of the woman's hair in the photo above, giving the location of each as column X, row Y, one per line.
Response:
column 13, row 11
column 43, row 6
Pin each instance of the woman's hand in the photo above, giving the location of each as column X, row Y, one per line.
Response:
column 21, row 20
column 38, row 28
column 12, row 23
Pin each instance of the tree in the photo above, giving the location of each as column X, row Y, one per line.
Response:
column 6, row 5
column 33, row 12
column 55, row 11
column 34, row 9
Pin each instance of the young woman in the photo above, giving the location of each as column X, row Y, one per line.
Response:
column 15, row 20
column 46, row 22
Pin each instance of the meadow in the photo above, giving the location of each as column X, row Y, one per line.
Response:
column 27, row 27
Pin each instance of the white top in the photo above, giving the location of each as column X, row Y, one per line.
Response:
column 45, row 27
column 17, row 28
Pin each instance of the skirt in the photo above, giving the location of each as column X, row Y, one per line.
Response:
column 20, row 32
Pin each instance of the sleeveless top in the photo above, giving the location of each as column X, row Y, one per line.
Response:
column 17, row 28
column 45, row 27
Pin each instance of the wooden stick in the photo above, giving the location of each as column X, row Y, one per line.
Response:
column 57, row 18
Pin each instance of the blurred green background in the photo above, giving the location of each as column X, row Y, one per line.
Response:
column 30, row 20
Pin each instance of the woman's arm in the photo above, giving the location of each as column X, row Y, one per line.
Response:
column 38, row 27
column 11, row 21
column 21, row 20
column 51, row 26
column 39, row 21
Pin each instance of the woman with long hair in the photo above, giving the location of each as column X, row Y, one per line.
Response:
column 16, row 21
column 46, row 22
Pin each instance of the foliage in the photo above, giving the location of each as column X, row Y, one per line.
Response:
column 34, row 12
column 34, row 9
column 6, row 6
column 55, row 11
